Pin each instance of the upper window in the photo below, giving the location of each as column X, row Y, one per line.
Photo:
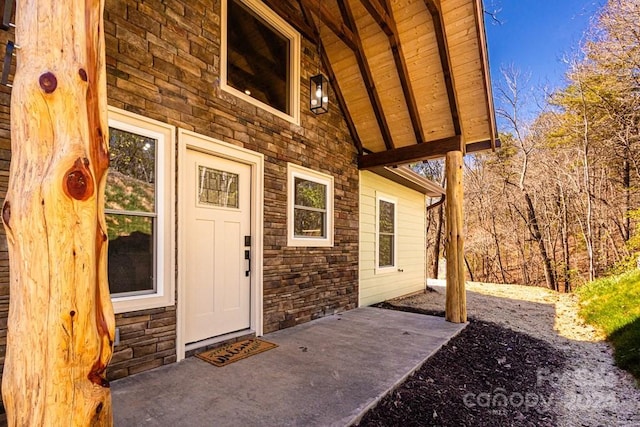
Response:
column 138, row 212
column 310, row 207
column 386, row 232
column 260, row 57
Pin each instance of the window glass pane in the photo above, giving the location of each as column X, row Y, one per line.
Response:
column 386, row 217
column 132, row 172
column 310, row 194
column 385, row 250
column 257, row 57
column 131, row 247
column 309, row 223
column 217, row 188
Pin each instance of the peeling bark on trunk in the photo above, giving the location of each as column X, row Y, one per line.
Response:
column 61, row 323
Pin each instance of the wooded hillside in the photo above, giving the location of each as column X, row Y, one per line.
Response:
column 558, row 204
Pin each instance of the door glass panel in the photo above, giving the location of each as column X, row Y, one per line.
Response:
column 217, row 188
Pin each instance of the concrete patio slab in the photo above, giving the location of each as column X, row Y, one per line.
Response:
column 327, row 372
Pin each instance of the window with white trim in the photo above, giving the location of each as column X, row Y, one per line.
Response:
column 138, row 211
column 310, row 207
column 386, row 233
column 260, row 58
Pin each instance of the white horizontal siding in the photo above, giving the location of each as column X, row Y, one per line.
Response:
column 411, row 241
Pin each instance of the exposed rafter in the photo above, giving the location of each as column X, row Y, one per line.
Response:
column 381, row 16
column 411, row 153
column 332, row 78
column 279, row 7
column 398, row 70
column 343, row 32
column 443, row 51
column 401, row 65
column 482, row 44
column 367, row 77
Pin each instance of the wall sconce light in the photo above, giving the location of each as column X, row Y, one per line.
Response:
column 319, row 94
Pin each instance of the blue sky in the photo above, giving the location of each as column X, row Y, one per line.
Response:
column 534, row 35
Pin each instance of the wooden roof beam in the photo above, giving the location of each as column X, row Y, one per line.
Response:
column 343, row 32
column 445, row 61
column 341, row 101
column 334, row 82
column 412, row 153
column 403, row 74
column 381, row 16
column 482, row 45
column 384, row 17
column 365, row 71
column 431, row 150
column 279, row 7
column 488, row 144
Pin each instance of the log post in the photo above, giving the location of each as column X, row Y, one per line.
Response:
column 456, row 298
column 61, row 323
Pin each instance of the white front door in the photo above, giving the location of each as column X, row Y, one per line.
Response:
column 217, row 219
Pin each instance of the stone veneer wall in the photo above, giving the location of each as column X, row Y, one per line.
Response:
column 163, row 62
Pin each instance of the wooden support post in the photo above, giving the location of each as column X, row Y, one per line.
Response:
column 456, row 298
column 61, row 322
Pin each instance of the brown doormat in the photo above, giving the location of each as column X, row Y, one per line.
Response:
column 233, row 352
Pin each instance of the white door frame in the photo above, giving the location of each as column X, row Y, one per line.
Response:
column 191, row 140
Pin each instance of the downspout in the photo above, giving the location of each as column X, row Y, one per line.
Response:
column 436, row 204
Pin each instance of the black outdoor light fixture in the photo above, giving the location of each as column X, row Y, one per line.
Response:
column 319, row 94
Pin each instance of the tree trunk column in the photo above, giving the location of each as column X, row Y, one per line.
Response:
column 61, row 323
column 456, row 298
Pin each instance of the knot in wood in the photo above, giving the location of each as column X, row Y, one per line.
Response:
column 78, row 182
column 48, row 82
column 83, row 74
column 6, row 212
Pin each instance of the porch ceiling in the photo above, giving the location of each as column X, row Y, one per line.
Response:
column 411, row 76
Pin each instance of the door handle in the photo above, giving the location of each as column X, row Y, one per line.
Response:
column 247, row 256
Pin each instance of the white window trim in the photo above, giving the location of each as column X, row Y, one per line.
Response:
column 165, row 201
column 295, row 171
column 394, row 267
column 286, row 30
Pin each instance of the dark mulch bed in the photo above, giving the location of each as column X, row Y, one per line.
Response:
column 487, row 375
